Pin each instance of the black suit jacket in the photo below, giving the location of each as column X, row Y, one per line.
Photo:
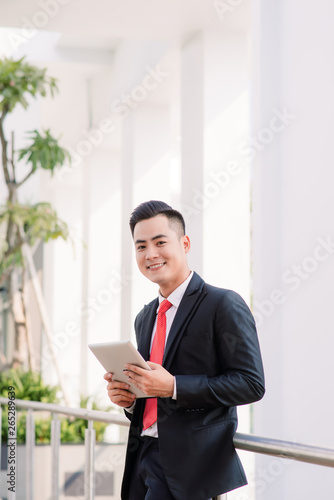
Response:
column 213, row 351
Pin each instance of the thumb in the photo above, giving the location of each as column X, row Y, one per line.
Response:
column 153, row 366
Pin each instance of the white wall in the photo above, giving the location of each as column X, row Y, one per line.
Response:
column 293, row 215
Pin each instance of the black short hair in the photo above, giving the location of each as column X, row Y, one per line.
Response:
column 152, row 208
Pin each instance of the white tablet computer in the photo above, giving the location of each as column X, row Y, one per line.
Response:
column 114, row 355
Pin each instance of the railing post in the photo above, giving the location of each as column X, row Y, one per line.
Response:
column 55, row 443
column 0, row 433
column 30, row 445
column 89, row 462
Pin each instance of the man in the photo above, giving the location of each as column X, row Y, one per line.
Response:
column 205, row 360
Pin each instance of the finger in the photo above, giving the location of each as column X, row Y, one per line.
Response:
column 119, row 394
column 136, row 378
column 107, row 376
column 130, row 374
column 153, row 366
column 130, row 366
column 117, row 385
column 134, row 369
column 125, row 404
column 133, row 378
column 121, row 401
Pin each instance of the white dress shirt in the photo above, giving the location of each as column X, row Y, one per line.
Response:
column 174, row 298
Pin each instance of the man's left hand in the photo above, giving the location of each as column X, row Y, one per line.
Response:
column 156, row 382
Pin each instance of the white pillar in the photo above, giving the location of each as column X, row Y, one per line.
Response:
column 127, row 181
column 192, row 111
column 293, row 235
column 151, row 179
column 86, row 208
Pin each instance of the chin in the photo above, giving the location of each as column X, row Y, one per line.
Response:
column 156, row 280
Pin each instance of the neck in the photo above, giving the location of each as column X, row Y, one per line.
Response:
column 167, row 288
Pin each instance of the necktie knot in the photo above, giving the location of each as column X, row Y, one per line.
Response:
column 164, row 306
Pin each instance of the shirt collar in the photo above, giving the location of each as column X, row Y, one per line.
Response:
column 176, row 296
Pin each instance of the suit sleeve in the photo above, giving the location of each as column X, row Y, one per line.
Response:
column 241, row 380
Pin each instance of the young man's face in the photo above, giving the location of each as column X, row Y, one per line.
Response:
column 161, row 253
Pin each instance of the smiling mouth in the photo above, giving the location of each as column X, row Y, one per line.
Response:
column 156, row 266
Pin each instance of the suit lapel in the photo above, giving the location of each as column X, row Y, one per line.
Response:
column 193, row 296
column 146, row 327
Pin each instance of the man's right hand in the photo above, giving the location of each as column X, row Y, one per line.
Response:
column 118, row 392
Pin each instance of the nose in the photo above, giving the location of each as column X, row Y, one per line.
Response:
column 151, row 252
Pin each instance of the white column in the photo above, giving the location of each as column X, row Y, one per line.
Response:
column 151, row 180
column 293, row 235
column 192, row 111
column 127, row 181
column 86, row 209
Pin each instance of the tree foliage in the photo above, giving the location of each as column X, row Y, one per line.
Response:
column 38, row 222
column 19, row 79
column 24, row 223
column 44, row 152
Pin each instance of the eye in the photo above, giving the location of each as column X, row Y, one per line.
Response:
column 140, row 247
column 161, row 242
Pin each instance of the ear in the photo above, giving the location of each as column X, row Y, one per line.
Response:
column 186, row 243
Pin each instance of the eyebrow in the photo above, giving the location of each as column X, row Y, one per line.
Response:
column 152, row 239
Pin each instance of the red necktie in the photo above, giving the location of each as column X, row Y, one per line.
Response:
column 157, row 354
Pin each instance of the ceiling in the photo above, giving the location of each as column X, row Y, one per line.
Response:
column 103, row 23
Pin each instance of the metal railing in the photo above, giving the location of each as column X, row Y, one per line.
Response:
column 90, row 415
column 256, row 444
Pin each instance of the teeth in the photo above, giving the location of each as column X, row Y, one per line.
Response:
column 155, row 266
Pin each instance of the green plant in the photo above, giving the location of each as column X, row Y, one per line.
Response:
column 24, row 224
column 29, row 386
column 19, row 78
column 38, row 221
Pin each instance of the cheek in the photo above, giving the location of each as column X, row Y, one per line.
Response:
column 139, row 260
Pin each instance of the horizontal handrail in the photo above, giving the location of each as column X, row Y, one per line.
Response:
column 96, row 415
column 285, row 449
column 267, row 446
